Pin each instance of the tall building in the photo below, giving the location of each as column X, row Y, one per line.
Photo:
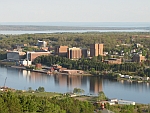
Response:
column 96, row 49
column 84, row 52
column 76, row 53
column 61, row 51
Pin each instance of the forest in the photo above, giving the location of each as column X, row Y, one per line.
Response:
column 110, row 40
column 11, row 102
column 19, row 102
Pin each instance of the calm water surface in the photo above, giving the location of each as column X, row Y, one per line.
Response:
column 68, row 31
column 22, row 79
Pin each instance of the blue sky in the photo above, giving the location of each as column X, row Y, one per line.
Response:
column 74, row 10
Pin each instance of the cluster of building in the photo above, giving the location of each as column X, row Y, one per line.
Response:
column 74, row 53
column 134, row 77
column 116, row 101
column 77, row 53
column 59, row 69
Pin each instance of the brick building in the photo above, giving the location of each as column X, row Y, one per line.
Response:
column 32, row 55
column 76, row 53
column 96, row 49
column 61, row 51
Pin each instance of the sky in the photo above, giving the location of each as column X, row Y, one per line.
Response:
column 74, row 10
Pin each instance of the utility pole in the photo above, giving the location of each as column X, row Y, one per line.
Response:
column 5, row 82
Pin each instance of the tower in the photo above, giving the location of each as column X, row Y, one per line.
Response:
column 96, row 49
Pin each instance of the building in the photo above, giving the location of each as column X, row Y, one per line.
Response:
column 44, row 48
column 96, row 49
column 15, row 55
column 32, row 55
column 25, row 63
column 113, row 61
column 76, row 53
column 126, row 102
column 84, row 52
column 72, row 72
column 61, row 51
column 41, row 43
column 138, row 58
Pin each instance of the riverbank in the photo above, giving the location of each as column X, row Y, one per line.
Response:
column 49, row 73
column 84, row 74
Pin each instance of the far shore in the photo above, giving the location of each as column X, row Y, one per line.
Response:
column 85, row 74
column 45, row 72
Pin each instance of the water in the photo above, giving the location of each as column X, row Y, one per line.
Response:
column 22, row 79
column 82, row 24
column 68, row 31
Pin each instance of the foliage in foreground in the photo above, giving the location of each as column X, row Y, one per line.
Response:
column 13, row 103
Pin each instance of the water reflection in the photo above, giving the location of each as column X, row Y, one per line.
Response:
column 22, row 79
column 96, row 85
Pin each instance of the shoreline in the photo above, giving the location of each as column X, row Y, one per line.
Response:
column 88, row 74
column 46, row 72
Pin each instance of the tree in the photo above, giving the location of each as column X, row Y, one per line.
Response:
column 41, row 89
column 101, row 96
column 3, row 107
column 30, row 90
column 78, row 91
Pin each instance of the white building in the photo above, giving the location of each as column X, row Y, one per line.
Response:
column 111, row 103
column 127, row 76
column 113, row 100
column 41, row 43
column 126, row 102
column 25, row 62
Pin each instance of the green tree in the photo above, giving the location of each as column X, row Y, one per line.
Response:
column 101, row 96
column 3, row 107
column 41, row 89
column 78, row 91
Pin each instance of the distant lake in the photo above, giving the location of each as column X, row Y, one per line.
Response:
column 68, row 31
column 22, row 79
column 82, row 24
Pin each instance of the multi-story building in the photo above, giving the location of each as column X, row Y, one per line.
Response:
column 96, row 49
column 138, row 58
column 15, row 55
column 84, row 52
column 76, row 53
column 61, row 51
column 32, row 55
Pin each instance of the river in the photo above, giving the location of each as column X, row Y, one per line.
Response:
column 22, row 79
